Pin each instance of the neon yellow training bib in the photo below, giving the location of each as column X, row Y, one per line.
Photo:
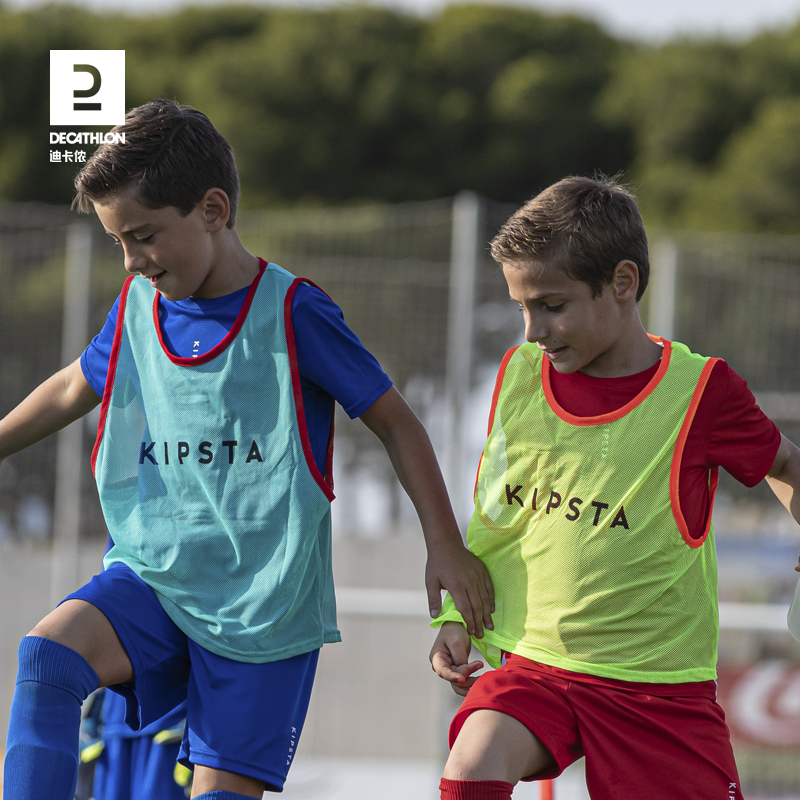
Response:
column 578, row 520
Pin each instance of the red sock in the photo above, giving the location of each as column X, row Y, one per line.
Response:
column 475, row 790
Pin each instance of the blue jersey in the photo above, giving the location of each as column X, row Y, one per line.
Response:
column 332, row 362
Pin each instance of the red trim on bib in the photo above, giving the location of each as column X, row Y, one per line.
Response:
column 675, row 471
column 192, row 361
column 498, row 385
column 602, row 419
column 495, row 397
column 329, row 450
column 325, row 482
column 112, row 368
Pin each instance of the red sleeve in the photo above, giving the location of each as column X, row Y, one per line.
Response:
column 742, row 439
column 729, row 430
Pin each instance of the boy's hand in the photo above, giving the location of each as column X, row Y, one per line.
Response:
column 449, row 657
column 452, row 567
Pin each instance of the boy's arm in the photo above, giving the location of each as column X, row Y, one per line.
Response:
column 449, row 657
column 450, row 565
column 61, row 399
column 784, row 478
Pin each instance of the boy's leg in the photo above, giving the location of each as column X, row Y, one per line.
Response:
column 85, row 629
column 208, row 780
column 65, row 657
column 115, row 624
column 515, row 724
column 492, row 752
column 493, row 746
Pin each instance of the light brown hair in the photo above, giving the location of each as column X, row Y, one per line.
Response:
column 586, row 226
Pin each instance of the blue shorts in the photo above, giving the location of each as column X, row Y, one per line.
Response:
column 242, row 718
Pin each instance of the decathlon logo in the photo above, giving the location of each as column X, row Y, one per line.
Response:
column 87, row 87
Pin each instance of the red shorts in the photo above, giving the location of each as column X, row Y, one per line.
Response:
column 641, row 740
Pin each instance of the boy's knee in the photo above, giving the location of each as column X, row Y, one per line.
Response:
column 475, row 764
column 44, row 661
column 494, row 746
column 84, row 629
column 460, row 767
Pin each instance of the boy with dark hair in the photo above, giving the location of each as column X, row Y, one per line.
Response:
column 218, row 373
column 593, row 514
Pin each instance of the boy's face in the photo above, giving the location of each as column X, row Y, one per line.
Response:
column 575, row 330
column 174, row 252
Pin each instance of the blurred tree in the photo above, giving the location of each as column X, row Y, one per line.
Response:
column 713, row 130
column 515, row 99
column 162, row 52
column 757, row 184
column 341, row 104
column 319, row 106
column 771, row 62
column 681, row 101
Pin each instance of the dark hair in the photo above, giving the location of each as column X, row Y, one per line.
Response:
column 171, row 153
column 585, row 225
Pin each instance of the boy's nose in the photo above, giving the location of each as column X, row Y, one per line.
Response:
column 133, row 262
column 534, row 330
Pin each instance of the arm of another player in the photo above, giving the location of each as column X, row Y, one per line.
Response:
column 449, row 657
column 784, row 478
column 61, row 399
column 450, row 565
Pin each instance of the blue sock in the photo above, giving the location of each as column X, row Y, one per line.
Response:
column 220, row 795
column 42, row 745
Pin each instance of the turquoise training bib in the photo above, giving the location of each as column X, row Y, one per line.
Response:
column 207, row 481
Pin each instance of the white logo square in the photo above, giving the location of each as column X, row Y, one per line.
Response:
column 87, row 87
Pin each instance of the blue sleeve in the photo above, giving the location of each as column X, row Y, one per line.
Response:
column 331, row 356
column 95, row 358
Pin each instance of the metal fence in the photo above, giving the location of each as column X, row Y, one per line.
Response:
column 417, row 285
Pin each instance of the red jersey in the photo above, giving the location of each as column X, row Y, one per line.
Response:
column 729, row 430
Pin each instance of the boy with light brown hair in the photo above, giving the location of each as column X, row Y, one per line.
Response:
column 593, row 515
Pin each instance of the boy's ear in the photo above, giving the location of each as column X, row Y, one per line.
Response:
column 216, row 209
column 625, row 281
